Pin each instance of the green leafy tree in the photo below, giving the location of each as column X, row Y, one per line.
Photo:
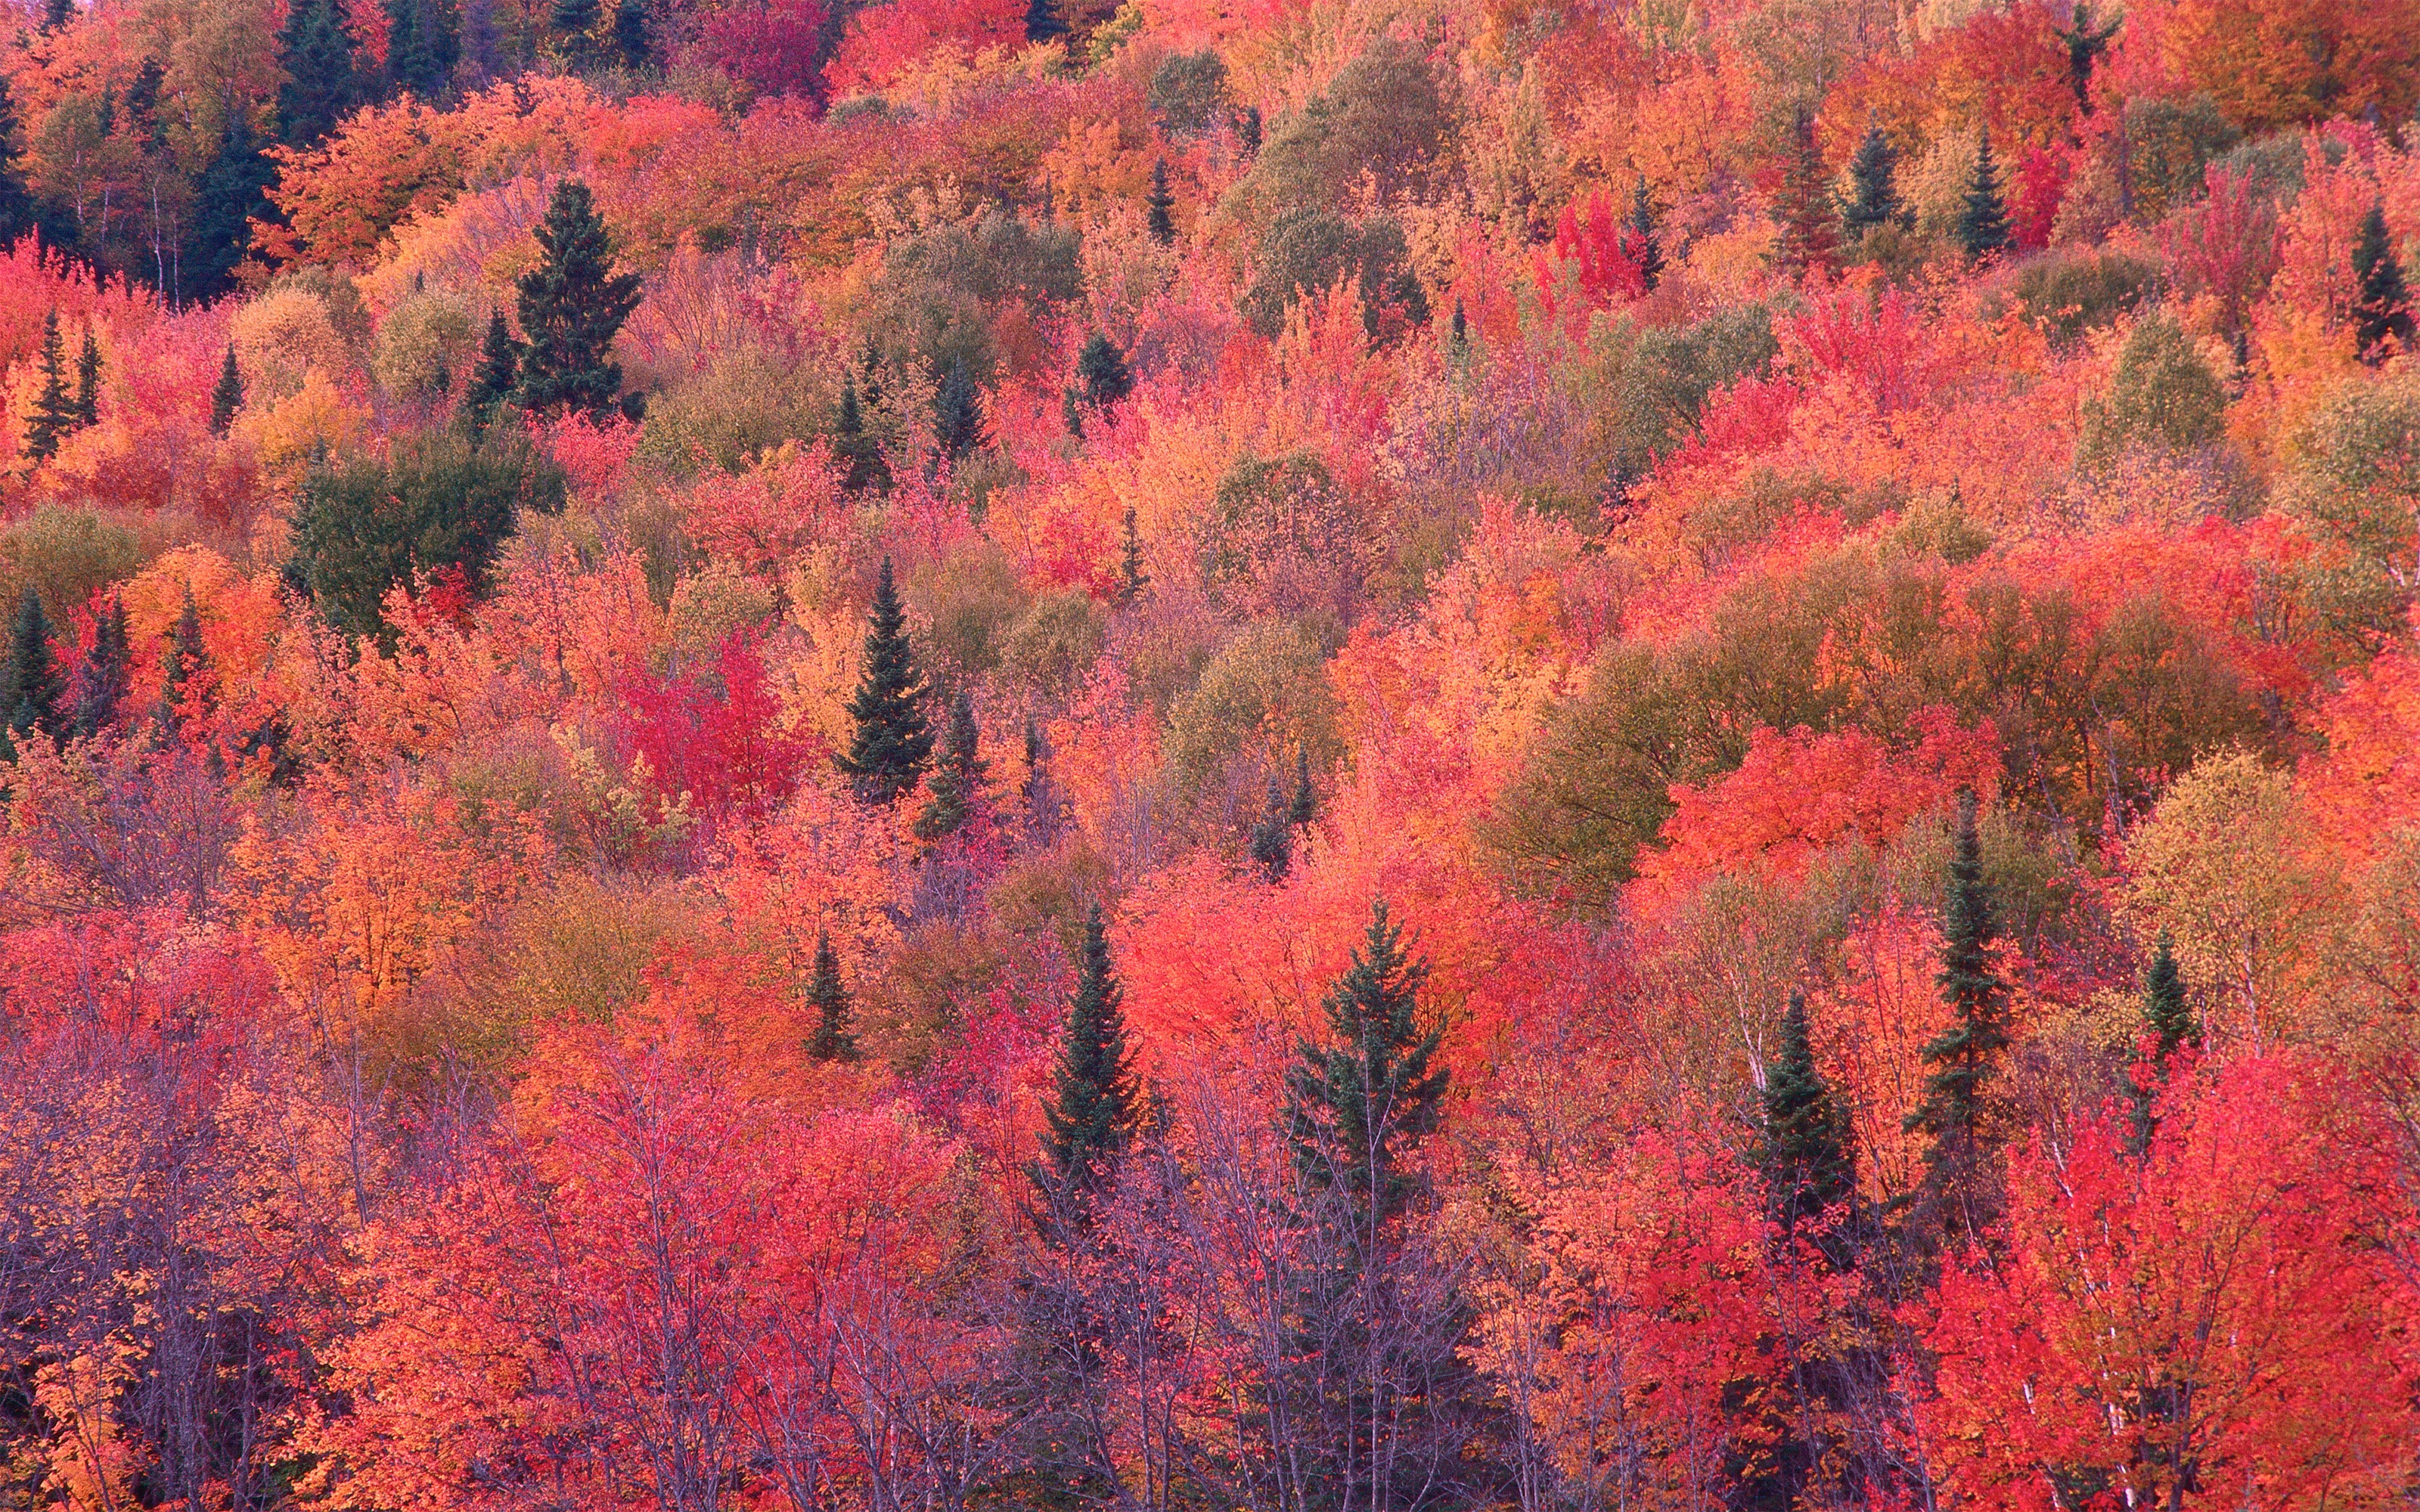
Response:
column 1810, row 241
column 892, row 744
column 323, row 82
column 833, row 1039
column 1809, row 1162
column 1159, row 207
column 88, row 395
column 1101, row 372
column 1642, row 235
column 1983, row 227
column 2383, row 306
column 496, row 377
column 1873, row 181
column 226, row 395
column 1964, row 1058
column 957, row 776
column 957, row 412
column 1096, row 1098
column 105, row 675
column 2168, row 1024
column 54, row 412
column 572, row 306
column 33, row 688
column 2162, row 395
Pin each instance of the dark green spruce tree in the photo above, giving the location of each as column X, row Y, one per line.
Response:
column 1873, row 182
column 231, row 194
column 226, row 395
column 1964, row 1058
column 1096, row 1098
column 56, row 14
column 2085, row 43
column 1042, row 22
column 186, row 675
column 891, row 745
column 2382, row 307
column 572, row 306
column 31, row 688
column 54, row 412
column 1357, row 1106
column 1809, row 1162
column 1133, row 578
column 1101, row 372
column 105, row 675
column 833, row 1039
column 1271, row 841
column 16, row 217
column 1983, row 228
column 1304, row 808
column 423, row 44
column 1810, row 239
column 957, row 412
column 323, row 80
column 2168, row 1026
column 957, row 776
column 1160, row 216
column 1642, row 235
column 633, row 48
column 88, row 395
column 859, row 452
column 495, row 377
column 574, row 23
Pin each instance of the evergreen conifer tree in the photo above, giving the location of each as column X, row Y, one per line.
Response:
column 957, row 776
column 496, row 377
column 88, row 395
column 1964, row 1058
column 1045, row 805
column 1305, row 807
column 424, row 43
column 1160, row 216
column 1810, row 1165
column 324, row 80
column 2383, row 306
column 1133, row 578
column 632, row 46
column 33, row 688
column 2168, row 1019
column 16, row 217
column 574, row 23
column 833, row 1039
column 1095, row 1097
column 1071, row 412
column 2085, row 43
column 1873, row 174
column 957, row 412
column 892, row 744
column 104, row 677
column 1248, row 128
column 57, row 13
column 1102, row 373
column 226, row 397
column 1042, row 22
column 232, row 193
column 1982, row 229
column 1457, row 339
column 1356, row 1108
column 54, row 412
column 1642, row 235
column 1810, row 239
column 185, row 672
column 1272, row 838
column 859, row 452
column 572, row 306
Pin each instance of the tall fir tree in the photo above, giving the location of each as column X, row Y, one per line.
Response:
column 1809, row 1160
column 957, row 412
column 1457, row 334
column 1101, row 372
column 574, row 24
column 56, row 14
column 1095, row 1098
column 1271, row 841
column 226, row 395
column 496, row 377
column 1964, row 1058
column 105, row 675
column 1810, row 241
column 231, row 194
column 1643, row 247
column 423, row 44
column 572, row 306
column 31, row 688
column 16, row 217
column 1983, row 228
column 2382, row 307
column 88, row 395
column 186, row 675
column 1042, row 22
column 864, row 466
column 892, row 744
column 1133, row 576
column 323, row 82
column 957, row 775
column 1873, row 178
column 834, row 1039
column 54, row 412
column 1160, row 216
column 2168, row 1025
column 2085, row 43
column 634, row 46
column 1304, row 808
column 1357, row 1107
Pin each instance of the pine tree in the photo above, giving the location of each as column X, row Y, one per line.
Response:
column 1102, row 373
column 232, row 193
column 864, row 466
column 1649, row 257
column 957, row 412
column 226, row 397
column 1159, row 216
column 1964, row 1057
column 833, row 1039
column 1248, row 129
column 185, row 672
column 2384, row 307
column 1272, row 838
column 1810, row 1165
column 1357, row 1107
column 104, row 677
column 1045, row 805
column 1094, row 1099
column 54, row 412
column 324, row 80
column 88, row 395
column 1042, row 22
column 1874, row 175
column 424, row 43
column 957, row 776
column 32, row 689
column 17, row 216
column 891, row 745
column 1304, row 810
column 1133, row 578
column 1982, row 229
column 1809, row 238
column 57, row 13
column 2168, row 1021
column 2085, row 43
column 496, row 377
column 574, row 31
column 572, row 306
column 1457, row 340
column 1071, row 412
column 633, row 48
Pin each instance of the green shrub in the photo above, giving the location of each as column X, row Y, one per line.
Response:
column 2065, row 294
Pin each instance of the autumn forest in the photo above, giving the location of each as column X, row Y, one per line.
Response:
column 1209, row 755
